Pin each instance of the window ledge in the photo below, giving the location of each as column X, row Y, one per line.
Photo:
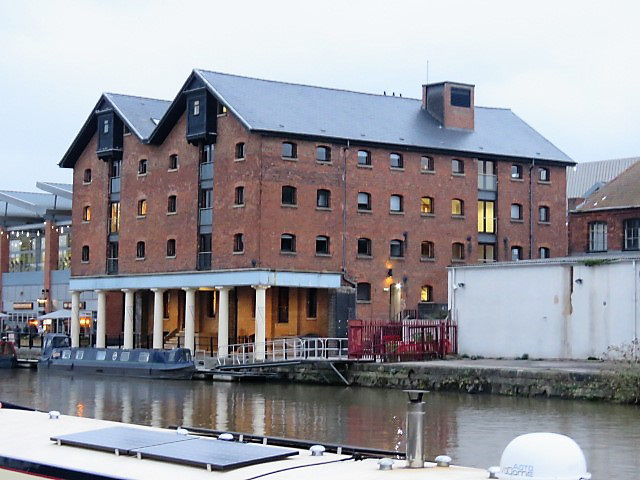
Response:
column 427, row 214
column 323, row 209
column 84, row 261
column 138, row 259
column 364, row 257
column 428, row 172
column 359, row 165
column 141, row 216
column 290, row 159
column 396, row 169
column 363, row 301
column 427, row 259
column 323, row 254
column 86, row 221
column 86, row 183
column 457, row 260
column 170, row 256
column 288, row 205
column 517, row 220
column 239, row 159
column 457, row 217
column 392, row 212
column 544, row 223
column 396, row 258
column 288, row 253
column 142, row 174
column 322, row 162
column 172, row 170
column 365, row 211
column 221, row 115
column 453, row 174
column 172, row 213
column 521, row 180
column 239, row 253
column 241, row 205
column 544, row 182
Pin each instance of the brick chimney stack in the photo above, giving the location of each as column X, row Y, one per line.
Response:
column 452, row 104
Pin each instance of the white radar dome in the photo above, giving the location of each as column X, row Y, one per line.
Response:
column 543, row 456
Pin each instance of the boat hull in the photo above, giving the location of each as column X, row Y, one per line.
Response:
column 8, row 361
column 94, row 368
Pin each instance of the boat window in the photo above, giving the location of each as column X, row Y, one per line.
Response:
column 144, row 357
column 79, row 354
column 101, row 354
column 172, row 356
column 66, row 354
column 124, row 356
column 114, row 356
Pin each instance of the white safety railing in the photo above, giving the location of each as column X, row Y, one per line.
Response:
column 284, row 350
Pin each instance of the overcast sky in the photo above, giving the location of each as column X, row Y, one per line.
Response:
column 570, row 69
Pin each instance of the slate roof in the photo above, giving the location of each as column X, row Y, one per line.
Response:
column 583, row 177
column 621, row 192
column 140, row 114
column 265, row 105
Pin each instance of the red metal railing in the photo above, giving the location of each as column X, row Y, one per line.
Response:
column 408, row 339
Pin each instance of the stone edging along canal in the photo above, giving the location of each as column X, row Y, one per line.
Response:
column 601, row 381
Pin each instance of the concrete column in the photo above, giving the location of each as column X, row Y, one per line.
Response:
column 75, row 318
column 223, row 322
column 190, row 320
column 158, row 317
column 128, row 317
column 261, row 320
column 101, row 324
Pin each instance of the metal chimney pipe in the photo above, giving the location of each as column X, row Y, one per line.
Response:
column 415, row 428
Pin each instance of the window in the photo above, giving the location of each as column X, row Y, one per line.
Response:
column 516, row 211
column 239, row 196
column 457, row 251
column 221, row 110
column 172, row 204
column 364, row 158
column 140, row 250
column 105, row 126
column 460, row 97
column 486, row 217
column 289, row 195
column 544, row 252
column 312, row 302
column 289, row 150
column 396, row 248
column 322, row 245
column 426, row 205
column 632, row 234
column 543, row 175
column 323, row 198
column 457, row 207
column 239, row 151
column 142, row 207
column 86, row 214
column 205, row 198
column 427, row 250
column 115, row 168
column 114, row 217
column 364, row 247
column 238, row 243
column 196, row 108
column 426, row 293
column 85, row 253
column 395, row 160
column 457, row 166
column 543, row 214
column 112, row 257
column 426, row 164
column 396, row 204
column 516, row 253
column 142, row 167
column 364, row 201
column 287, row 243
column 486, row 252
column 87, row 176
column 171, row 247
column 598, row 237
column 173, row 162
column 323, row 154
column 143, row 357
column 208, row 153
column 363, row 292
column 516, row 171
column 487, row 175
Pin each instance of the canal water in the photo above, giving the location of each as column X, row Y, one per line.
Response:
column 472, row 429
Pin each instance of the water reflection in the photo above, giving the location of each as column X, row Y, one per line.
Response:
column 472, row 429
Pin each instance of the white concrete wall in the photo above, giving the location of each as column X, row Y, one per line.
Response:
column 540, row 310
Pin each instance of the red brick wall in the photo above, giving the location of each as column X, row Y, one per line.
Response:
column 579, row 228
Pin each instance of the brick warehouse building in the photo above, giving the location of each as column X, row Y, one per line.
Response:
column 251, row 209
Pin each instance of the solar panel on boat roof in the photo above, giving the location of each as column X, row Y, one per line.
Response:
column 171, row 447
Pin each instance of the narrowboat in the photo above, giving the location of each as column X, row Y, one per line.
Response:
column 8, row 358
column 59, row 356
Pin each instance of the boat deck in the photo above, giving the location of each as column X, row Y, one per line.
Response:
column 25, row 435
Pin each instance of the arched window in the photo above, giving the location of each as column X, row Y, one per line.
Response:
column 289, row 195
column 85, row 253
column 323, row 198
column 287, row 243
column 426, row 164
column 426, row 205
column 289, row 150
column 457, row 166
column 457, row 251
column 364, row 158
column 427, row 250
column 426, row 293
column 395, row 160
column 396, row 204
column 240, row 150
column 140, row 250
column 363, row 292
column 322, row 245
column 239, row 196
column 171, row 247
column 544, row 214
column 142, row 207
column 396, row 248
column 516, row 253
column 364, row 247
column 86, row 214
column 544, row 175
column 323, row 154
column 544, row 252
column 172, row 204
column 142, row 167
column 457, row 207
column 87, row 175
column 173, row 162
column 516, row 171
column 516, row 211
column 364, row 201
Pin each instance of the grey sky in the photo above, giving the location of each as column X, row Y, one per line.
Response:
column 568, row 68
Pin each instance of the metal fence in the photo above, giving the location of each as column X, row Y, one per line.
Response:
column 403, row 340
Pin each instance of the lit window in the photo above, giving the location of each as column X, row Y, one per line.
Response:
column 396, row 248
column 516, row 211
column 544, row 252
column 172, row 204
column 632, row 234
column 516, row 171
column 457, row 166
column 239, row 196
column 142, row 207
column 322, row 245
column 287, row 243
column 486, row 216
column 544, row 214
column 87, row 176
column 426, row 205
column 457, row 207
column 364, row 158
column 364, row 201
column 598, row 237
column 239, row 150
column 323, row 198
column 457, row 251
column 395, row 160
column 238, row 243
column 196, row 108
column 142, row 167
column 114, row 217
column 426, row 293
column 516, row 253
column 323, row 154
column 173, row 162
column 171, row 247
column 289, row 150
column 222, row 110
column 85, row 253
column 363, row 292
column 364, row 247
column 427, row 250
column 426, row 164
column 289, row 195
column 395, row 203
column 544, row 175
column 86, row 214
column 140, row 247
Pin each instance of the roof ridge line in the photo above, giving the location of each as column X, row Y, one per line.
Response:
column 137, row 96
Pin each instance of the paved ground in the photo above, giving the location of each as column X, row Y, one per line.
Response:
column 577, row 366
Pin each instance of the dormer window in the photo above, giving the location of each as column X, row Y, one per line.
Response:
column 460, row 97
column 222, row 110
column 196, row 108
column 105, row 126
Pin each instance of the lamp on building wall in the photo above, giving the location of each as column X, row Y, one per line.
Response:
column 579, row 281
